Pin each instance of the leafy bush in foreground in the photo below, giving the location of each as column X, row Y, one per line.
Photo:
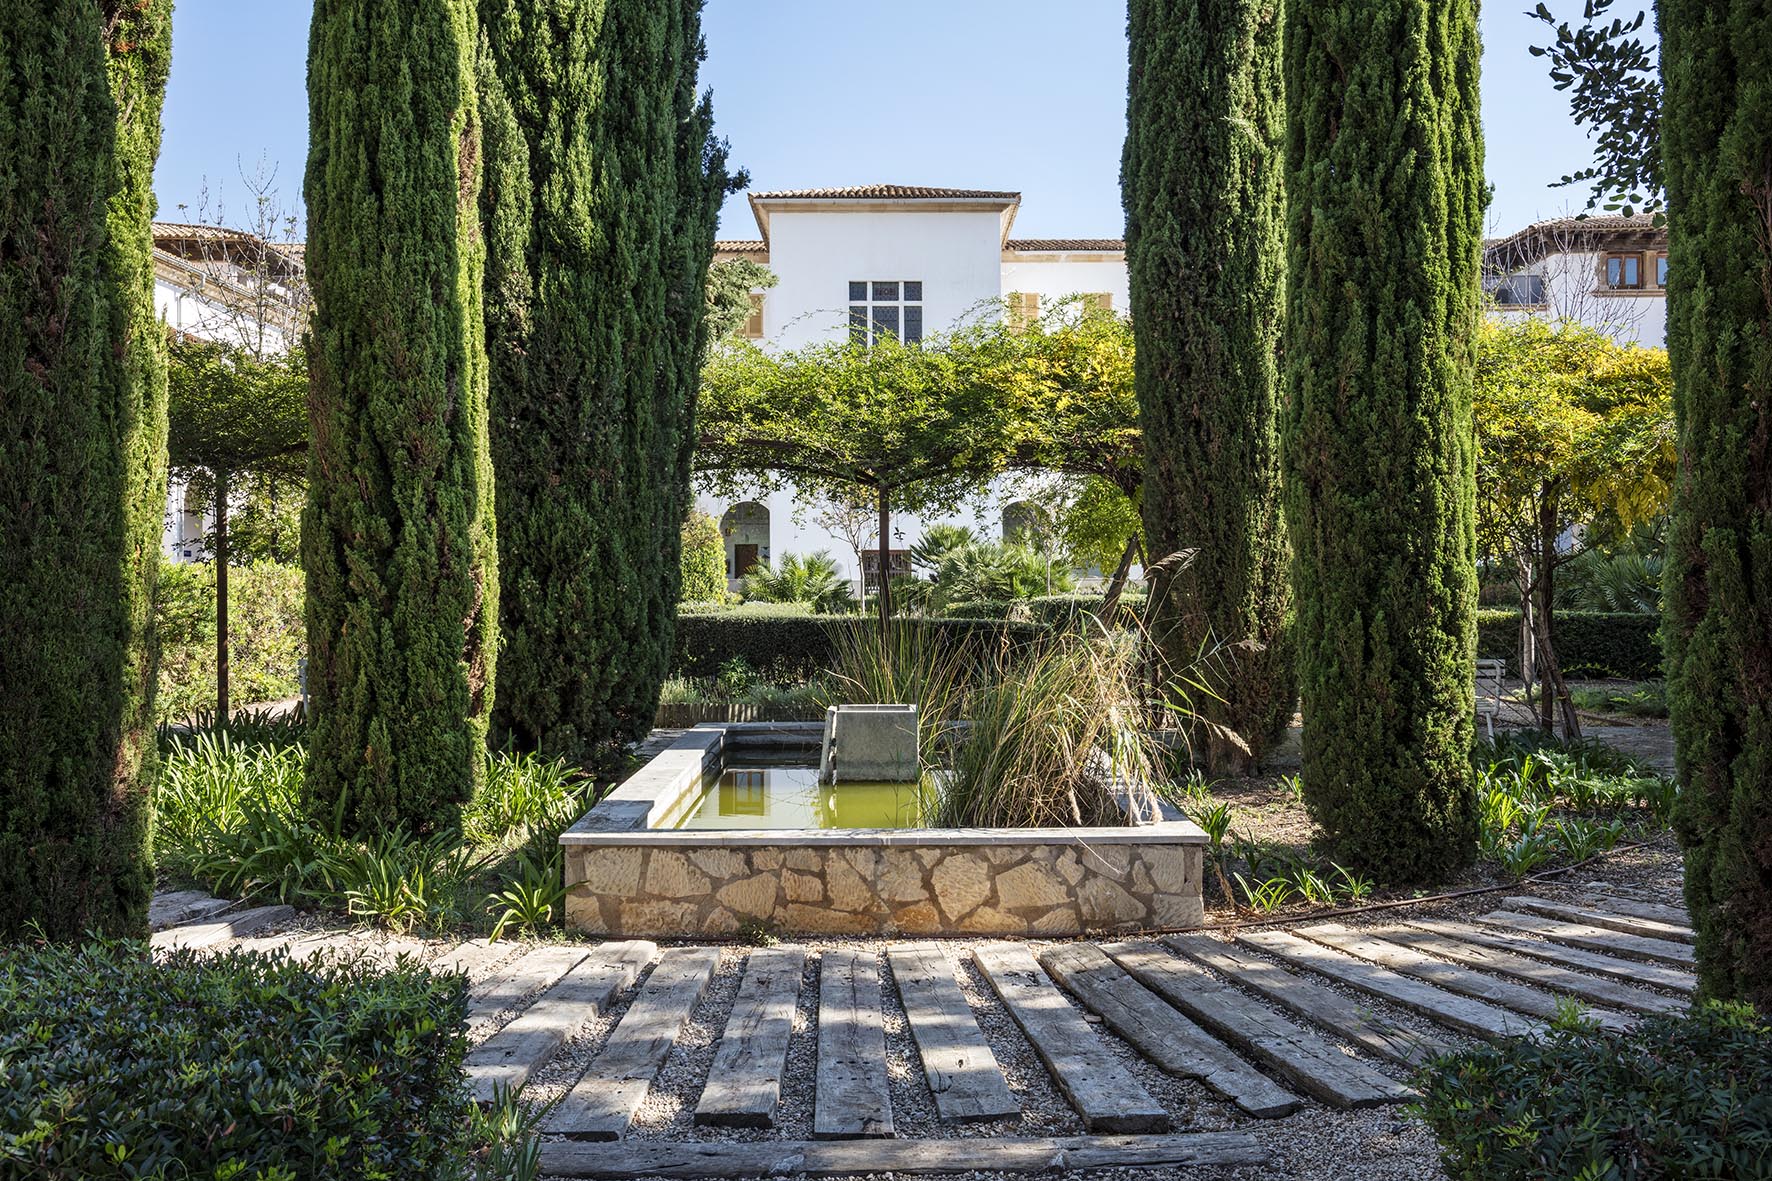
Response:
column 1676, row 1097
column 242, row 1066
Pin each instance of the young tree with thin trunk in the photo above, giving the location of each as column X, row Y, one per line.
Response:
column 1716, row 138
column 397, row 539
column 233, row 418
column 82, row 460
column 597, row 334
column 1385, row 189
column 1203, row 183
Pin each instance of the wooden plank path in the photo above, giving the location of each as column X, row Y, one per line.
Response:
column 1673, row 979
column 852, row 1099
column 1104, row 1093
column 1546, row 975
column 529, row 973
column 474, row 959
column 508, row 1058
column 1673, row 916
column 1409, row 961
column 602, row 1104
column 1592, row 938
column 903, row 1158
column 1194, row 1005
column 744, row 1084
column 1627, row 923
column 1334, row 1011
column 181, row 907
column 962, row 1073
column 1160, row 1033
column 233, row 926
column 1455, row 1012
column 1296, row 1054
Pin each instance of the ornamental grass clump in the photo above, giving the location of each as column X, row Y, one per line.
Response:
column 1054, row 739
column 904, row 664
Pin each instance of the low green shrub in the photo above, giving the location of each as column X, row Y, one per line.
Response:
column 788, row 647
column 113, row 1065
column 267, row 635
column 988, row 609
column 1589, row 643
column 1675, row 1097
column 230, row 816
column 703, row 561
column 1645, row 700
column 1067, row 610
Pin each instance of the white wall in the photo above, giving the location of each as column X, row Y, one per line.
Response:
column 1055, row 280
column 956, row 256
column 1574, row 290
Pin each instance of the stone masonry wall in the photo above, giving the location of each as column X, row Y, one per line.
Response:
column 995, row 887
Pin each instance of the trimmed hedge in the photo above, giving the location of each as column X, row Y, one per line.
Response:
column 1065, row 610
column 248, row 1066
column 787, row 647
column 1589, row 643
column 1675, row 1097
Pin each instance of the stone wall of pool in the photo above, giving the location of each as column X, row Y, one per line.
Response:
column 627, row 875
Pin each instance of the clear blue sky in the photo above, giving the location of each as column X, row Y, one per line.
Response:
column 1026, row 95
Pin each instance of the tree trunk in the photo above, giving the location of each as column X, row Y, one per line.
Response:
column 1547, row 549
column 1553, row 692
column 221, row 597
column 884, row 569
column 1117, row 584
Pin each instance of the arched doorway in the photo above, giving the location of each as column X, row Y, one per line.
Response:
column 745, row 526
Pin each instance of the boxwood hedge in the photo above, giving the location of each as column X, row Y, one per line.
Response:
column 237, row 1066
column 797, row 646
column 1675, row 1097
column 1589, row 643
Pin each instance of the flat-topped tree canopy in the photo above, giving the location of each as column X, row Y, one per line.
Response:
column 931, row 422
column 923, row 425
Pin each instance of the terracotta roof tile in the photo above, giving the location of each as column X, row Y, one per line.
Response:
column 1098, row 244
column 888, row 193
column 740, row 246
column 1565, row 235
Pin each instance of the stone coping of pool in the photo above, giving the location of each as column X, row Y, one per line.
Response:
column 628, row 879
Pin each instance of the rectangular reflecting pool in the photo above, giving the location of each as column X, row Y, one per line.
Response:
column 727, row 830
column 746, row 798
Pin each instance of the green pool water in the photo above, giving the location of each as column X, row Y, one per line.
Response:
column 792, row 797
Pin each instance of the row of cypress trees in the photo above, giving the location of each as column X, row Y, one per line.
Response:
column 537, row 178
column 1303, row 187
column 1716, row 145
column 82, row 458
column 511, row 207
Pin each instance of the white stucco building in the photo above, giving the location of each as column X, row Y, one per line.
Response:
column 1609, row 273
column 215, row 283
column 908, row 260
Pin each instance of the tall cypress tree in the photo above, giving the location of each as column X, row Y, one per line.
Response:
column 397, row 537
column 1202, row 179
column 1384, row 182
column 82, row 459
column 1716, row 154
column 593, row 414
